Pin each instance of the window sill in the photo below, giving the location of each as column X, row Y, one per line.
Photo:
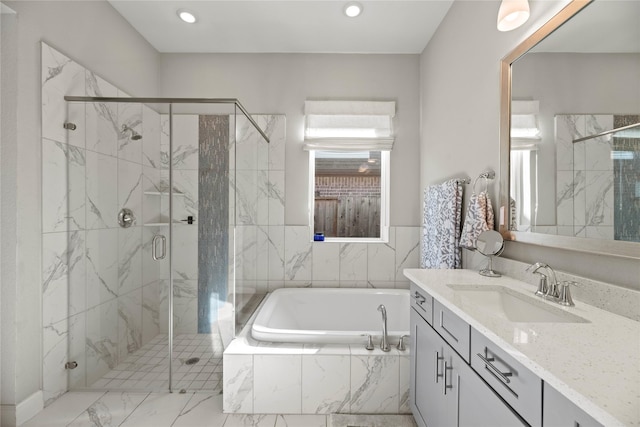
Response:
column 353, row 240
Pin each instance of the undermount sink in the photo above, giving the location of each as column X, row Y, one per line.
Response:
column 514, row 306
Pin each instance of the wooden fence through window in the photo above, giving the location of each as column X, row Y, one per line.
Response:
column 349, row 216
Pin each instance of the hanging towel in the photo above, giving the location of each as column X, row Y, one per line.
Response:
column 441, row 226
column 479, row 218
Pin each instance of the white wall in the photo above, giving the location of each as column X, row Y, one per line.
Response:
column 280, row 83
column 459, row 78
column 98, row 37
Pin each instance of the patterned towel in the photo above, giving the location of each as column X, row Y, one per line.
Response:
column 441, row 226
column 479, row 218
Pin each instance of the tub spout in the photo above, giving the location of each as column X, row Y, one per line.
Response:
column 384, row 344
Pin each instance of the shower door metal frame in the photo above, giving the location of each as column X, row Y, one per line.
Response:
column 170, row 102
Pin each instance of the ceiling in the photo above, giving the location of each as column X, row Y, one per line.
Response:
column 294, row 26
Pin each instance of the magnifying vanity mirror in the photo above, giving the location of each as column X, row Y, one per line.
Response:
column 490, row 243
column 570, row 132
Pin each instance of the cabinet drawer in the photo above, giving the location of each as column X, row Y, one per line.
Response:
column 517, row 385
column 422, row 302
column 454, row 330
column 558, row 411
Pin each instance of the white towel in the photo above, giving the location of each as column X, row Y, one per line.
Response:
column 479, row 218
column 441, row 226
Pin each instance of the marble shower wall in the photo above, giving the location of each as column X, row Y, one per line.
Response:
column 100, row 291
column 585, row 177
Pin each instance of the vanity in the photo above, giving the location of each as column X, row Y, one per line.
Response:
column 488, row 352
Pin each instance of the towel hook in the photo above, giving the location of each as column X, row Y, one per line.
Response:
column 487, row 176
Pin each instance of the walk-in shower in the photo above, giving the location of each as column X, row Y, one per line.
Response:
column 158, row 238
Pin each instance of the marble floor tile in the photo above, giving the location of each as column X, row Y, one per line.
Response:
column 64, row 410
column 301, row 421
column 110, row 410
column 158, row 409
column 238, row 420
column 202, row 409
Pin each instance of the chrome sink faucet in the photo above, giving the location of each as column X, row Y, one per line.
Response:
column 384, row 344
column 550, row 291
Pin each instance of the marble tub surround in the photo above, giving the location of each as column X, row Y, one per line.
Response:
column 313, row 379
column 100, row 299
column 593, row 364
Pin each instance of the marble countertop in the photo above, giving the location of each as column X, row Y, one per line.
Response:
column 595, row 364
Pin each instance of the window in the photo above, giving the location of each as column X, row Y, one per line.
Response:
column 349, row 146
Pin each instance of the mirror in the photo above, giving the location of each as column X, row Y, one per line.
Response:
column 490, row 243
column 565, row 180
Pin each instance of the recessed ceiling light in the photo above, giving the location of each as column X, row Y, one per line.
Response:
column 186, row 16
column 353, row 9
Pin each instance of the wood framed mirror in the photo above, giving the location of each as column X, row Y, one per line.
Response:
column 594, row 230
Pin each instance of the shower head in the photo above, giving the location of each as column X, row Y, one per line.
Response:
column 135, row 136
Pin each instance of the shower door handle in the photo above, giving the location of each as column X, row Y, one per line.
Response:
column 154, row 247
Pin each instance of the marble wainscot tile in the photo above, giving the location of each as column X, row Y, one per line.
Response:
column 61, row 76
column 185, row 306
column 598, row 150
column 276, row 193
column 63, row 275
column 55, row 345
column 262, row 197
column 246, row 153
column 102, row 340
column 152, row 203
column 275, row 126
column 298, row 253
column 600, row 232
column 407, row 250
column 374, row 384
column 246, row 244
column 579, row 198
column 262, row 420
column 130, row 188
column 101, row 191
column 158, row 409
column 150, row 138
column 185, row 182
column 150, row 311
column 151, row 269
column 130, row 130
column 381, row 259
column 237, row 382
column 110, row 410
column 276, row 253
column 185, row 141
column 101, row 118
column 353, row 262
column 102, row 266
column 262, row 249
column 164, row 141
column 260, row 145
column 129, row 259
column 77, row 348
column 185, row 259
column 277, row 384
column 599, row 198
column 326, row 261
column 129, row 323
column 63, row 187
column 568, row 128
column 325, row 383
column 246, row 188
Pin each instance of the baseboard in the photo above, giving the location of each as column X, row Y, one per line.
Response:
column 15, row 415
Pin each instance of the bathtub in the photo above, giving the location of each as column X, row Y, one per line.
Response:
column 331, row 316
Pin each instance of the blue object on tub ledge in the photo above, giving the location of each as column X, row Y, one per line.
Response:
column 318, row 237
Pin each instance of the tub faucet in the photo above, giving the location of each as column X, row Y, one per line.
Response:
column 384, row 344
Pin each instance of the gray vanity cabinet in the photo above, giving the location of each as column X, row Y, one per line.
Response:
column 445, row 391
column 560, row 412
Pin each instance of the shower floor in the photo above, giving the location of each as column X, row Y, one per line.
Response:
column 148, row 367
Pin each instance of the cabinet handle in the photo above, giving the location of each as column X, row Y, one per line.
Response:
column 419, row 298
column 493, row 370
column 445, row 329
column 444, row 375
column 438, row 359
